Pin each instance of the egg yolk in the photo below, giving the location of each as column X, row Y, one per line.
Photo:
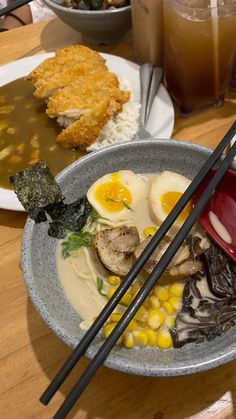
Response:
column 113, row 195
column 169, row 200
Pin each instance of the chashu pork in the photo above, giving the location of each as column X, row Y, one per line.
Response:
column 115, row 248
column 182, row 264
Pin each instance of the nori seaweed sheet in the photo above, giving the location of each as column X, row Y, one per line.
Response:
column 68, row 217
column 40, row 195
column 36, row 188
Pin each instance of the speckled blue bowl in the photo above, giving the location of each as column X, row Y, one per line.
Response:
column 39, row 264
column 96, row 26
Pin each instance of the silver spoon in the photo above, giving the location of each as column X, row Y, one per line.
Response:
column 150, row 78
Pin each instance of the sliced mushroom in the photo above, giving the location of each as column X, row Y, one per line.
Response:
column 181, row 265
column 115, row 248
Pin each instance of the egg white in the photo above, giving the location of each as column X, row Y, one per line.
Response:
column 166, row 182
column 136, row 186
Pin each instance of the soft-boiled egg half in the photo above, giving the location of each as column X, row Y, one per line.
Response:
column 115, row 195
column 167, row 188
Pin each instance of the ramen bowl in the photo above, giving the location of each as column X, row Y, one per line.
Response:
column 96, row 26
column 40, row 269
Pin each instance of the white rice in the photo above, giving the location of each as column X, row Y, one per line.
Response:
column 123, row 126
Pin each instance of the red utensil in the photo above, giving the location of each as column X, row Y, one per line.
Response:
column 223, row 206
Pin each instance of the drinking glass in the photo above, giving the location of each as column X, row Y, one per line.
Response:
column 199, row 48
column 233, row 78
column 147, row 21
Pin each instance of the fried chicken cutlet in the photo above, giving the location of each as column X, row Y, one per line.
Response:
column 84, row 107
column 79, row 97
column 65, row 57
column 80, row 92
column 46, row 86
column 85, row 130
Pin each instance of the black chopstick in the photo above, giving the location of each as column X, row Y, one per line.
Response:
column 127, row 281
column 145, row 290
column 13, row 6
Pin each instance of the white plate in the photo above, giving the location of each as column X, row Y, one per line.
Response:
column 160, row 123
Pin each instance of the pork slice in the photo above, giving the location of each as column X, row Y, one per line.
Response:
column 115, row 248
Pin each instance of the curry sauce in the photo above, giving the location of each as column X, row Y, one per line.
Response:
column 27, row 135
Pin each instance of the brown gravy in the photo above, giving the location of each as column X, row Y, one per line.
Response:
column 27, row 134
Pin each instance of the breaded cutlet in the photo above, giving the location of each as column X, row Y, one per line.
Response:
column 85, row 130
column 46, row 86
column 86, row 91
column 80, row 92
column 63, row 57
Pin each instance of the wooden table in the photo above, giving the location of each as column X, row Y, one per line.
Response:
column 30, row 354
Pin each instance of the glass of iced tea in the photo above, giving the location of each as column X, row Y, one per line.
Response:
column 199, row 48
column 233, row 78
column 147, row 21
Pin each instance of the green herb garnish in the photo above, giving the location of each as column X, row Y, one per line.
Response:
column 121, row 201
column 94, row 216
column 127, row 206
column 100, row 286
column 74, row 242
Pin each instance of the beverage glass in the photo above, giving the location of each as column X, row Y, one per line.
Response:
column 147, row 21
column 200, row 42
column 233, row 78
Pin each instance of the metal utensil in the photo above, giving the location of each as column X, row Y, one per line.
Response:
column 150, row 78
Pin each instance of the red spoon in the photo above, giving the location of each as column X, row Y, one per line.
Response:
column 218, row 218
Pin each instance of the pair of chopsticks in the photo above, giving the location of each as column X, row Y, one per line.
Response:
column 13, row 6
column 150, row 282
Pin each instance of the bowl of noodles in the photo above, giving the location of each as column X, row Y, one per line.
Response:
column 121, row 195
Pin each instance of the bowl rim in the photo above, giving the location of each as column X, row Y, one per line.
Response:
column 88, row 12
column 112, row 361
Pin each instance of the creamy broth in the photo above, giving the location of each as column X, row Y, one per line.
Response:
column 79, row 272
column 81, row 292
column 81, row 289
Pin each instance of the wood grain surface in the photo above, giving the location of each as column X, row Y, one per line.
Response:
column 30, row 354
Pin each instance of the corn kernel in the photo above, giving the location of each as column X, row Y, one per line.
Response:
column 126, row 299
column 132, row 326
column 155, row 318
column 161, row 293
column 164, row 339
column 135, row 289
column 113, row 280
column 149, row 231
column 168, row 308
column 128, row 340
column 115, row 317
column 146, row 304
column 141, row 314
column 176, row 290
column 108, row 329
column 111, row 292
column 140, row 338
column 154, row 302
column 120, row 340
column 175, row 303
column 169, row 322
column 151, row 337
